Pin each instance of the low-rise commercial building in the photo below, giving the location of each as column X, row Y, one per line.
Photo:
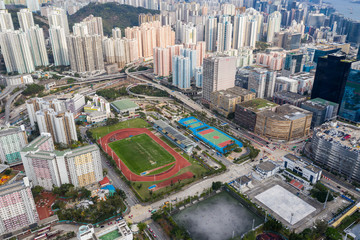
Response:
column 285, row 123
column 322, row 110
column 246, row 112
column 224, row 101
column 267, row 169
column 302, row 167
column 119, row 231
column 286, row 97
column 335, row 147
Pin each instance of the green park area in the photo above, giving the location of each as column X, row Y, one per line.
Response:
column 141, row 153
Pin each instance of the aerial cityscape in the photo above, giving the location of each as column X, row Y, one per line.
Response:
column 179, row 120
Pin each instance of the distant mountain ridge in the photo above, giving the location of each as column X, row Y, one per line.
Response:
column 113, row 15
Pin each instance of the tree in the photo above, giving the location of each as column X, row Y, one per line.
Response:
column 37, row 190
column 141, row 226
column 33, row 89
column 105, row 171
column 320, row 227
column 8, row 171
column 216, row 185
column 273, row 225
column 332, row 234
column 250, row 236
column 320, row 192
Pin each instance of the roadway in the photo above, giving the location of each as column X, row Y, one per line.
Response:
column 6, row 92
column 8, row 105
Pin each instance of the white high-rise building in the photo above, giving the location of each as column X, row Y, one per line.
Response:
column 37, row 46
column 16, row 52
column 211, row 33
column 26, row 19
column 59, row 46
column 6, row 22
column 58, row 18
column 61, row 126
column 273, row 26
column 47, row 168
column 116, row 32
column 239, row 37
column 33, row 5
column 224, row 36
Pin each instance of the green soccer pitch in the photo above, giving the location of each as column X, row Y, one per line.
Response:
column 141, row 153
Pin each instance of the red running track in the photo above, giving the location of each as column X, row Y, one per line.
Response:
column 180, row 162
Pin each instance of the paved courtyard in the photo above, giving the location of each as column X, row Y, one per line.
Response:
column 288, row 206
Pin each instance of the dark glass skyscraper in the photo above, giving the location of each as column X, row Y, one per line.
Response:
column 350, row 105
column 330, row 79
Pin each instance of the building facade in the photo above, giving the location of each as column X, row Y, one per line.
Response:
column 46, row 167
column 12, row 140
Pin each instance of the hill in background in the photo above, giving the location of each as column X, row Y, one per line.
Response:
column 113, row 15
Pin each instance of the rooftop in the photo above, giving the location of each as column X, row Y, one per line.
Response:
column 289, row 95
column 286, row 112
column 345, row 135
column 124, row 104
column 266, row 166
column 303, row 163
column 319, row 103
column 172, row 132
column 258, row 104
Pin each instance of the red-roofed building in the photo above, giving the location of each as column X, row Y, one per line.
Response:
column 104, row 182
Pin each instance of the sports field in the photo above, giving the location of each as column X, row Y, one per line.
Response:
column 216, row 137
column 140, row 153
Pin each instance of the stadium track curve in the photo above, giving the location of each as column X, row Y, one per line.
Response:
column 180, row 161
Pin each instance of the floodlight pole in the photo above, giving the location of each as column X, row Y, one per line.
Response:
column 327, row 196
column 253, row 225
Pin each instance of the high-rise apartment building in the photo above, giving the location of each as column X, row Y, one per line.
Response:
column 192, row 55
column 262, row 82
column 17, row 207
column 58, row 18
column 181, row 72
column 36, row 39
column 218, row 74
column 59, row 46
column 26, row 19
column 162, row 63
column 330, row 79
column 274, row 60
column 199, row 77
column 211, row 33
column 47, row 168
column 224, row 36
column 61, row 126
column 16, row 52
column 85, row 53
column 94, row 25
column 12, row 140
column 150, row 35
column 273, row 25
column 116, row 32
column 6, row 22
column 33, row 5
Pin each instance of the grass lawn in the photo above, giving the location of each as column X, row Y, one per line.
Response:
column 132, row 123
column 141, row 153
column 196, row 168
column 163, row 169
